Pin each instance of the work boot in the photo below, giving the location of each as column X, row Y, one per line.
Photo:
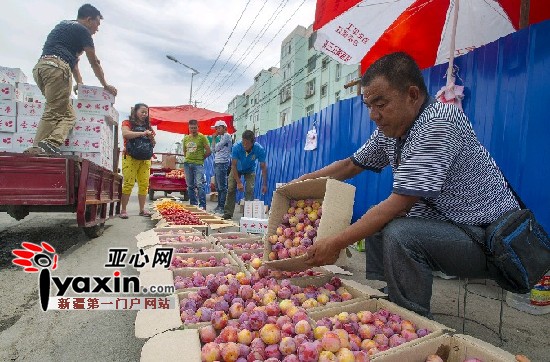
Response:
column 227, row 217
column 49, row 148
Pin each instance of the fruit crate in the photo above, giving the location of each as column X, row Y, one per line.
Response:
column 181, row 229
column 237, row 253
column 185, row 272
column 230, row 235
column 337, row 200
column 205, row 256
column 189, row 239
column 373, row 305
column 230, row 244
column 461, row 347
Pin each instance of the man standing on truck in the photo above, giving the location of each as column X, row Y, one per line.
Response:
column 221, row 145
column 64, row 45
column 196, row 149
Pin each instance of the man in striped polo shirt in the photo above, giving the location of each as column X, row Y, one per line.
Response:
column 441, row 173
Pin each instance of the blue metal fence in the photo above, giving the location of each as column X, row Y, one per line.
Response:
column 507, row 88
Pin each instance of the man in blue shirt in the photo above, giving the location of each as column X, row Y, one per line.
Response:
column 244, row 158
column 59, row 59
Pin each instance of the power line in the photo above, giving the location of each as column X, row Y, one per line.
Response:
column 236, row 47
column 274, row 16
column 221, row 51
column 261, row 52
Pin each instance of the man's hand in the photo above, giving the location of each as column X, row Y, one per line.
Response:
column 240, row 186
column 111, row 89
column 264, row 189
column 75, row 88
column 322, row 252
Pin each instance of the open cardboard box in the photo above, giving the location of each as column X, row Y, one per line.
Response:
column 236, row 255
column 246, row 240
column 228, row 235
column 358, row 291
column 185, row 272
column 205, row 256
column 184, row 239
column 337, row 203
column 174, row 346
column 216, row 224
column 178, row 230
column 230, row 244
column 203, row 228
column 461, row 348
column 373, row 305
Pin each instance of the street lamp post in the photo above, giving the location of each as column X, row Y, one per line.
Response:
column 194, row 72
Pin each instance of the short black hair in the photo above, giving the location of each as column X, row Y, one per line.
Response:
column 88, row 11
column 399, row 69
column 193, row 122
column 249, row 136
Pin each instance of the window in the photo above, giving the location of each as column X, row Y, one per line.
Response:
column 324, row 63
column 338, row 72
column 311, row 41
column 284, row 116
column 324, row 88
column 286, row 71
column 286, row 49
column 337, row 96
column 311, row 63
column 284, row 94
column 310, row 88
column 309, row 110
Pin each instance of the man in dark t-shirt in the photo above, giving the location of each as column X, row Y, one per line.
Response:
column 63, row 46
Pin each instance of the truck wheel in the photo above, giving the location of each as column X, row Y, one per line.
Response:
column 94, row 231
column 151, row 195
column 185, row 195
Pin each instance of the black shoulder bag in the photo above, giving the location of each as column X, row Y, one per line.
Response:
column 140, row 148
column 516, row 244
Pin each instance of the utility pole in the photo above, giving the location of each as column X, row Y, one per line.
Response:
column 196, row 103
column 524, row 13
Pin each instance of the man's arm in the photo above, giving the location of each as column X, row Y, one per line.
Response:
column 77, row 77
column 98, row 71
column 263, row 166
column 207, row 150
column 325, row 251
column 339, row 170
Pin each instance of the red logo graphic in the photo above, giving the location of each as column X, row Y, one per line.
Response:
column 35, row 257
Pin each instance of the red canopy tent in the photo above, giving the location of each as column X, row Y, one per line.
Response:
column 176, row 119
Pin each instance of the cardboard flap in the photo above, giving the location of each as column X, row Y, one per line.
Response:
column 174, row 346
column 461, row 348
column 151, row 322
column 373, row 293
column 147, row 238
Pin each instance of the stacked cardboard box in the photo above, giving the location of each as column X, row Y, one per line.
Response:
column 13, row 83
column 92, row 136
column 22, row 105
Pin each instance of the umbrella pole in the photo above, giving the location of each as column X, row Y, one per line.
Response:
column 450, row 76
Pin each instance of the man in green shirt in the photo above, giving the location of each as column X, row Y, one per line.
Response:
column 195, row 150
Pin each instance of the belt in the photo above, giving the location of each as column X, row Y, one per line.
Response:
column 53, row 57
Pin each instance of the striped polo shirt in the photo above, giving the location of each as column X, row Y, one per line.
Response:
column 440, row 159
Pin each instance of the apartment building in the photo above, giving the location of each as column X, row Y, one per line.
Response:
column 306, row 82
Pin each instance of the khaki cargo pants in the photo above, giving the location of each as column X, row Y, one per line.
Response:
column 53, row 77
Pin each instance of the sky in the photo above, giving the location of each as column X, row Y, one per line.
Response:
column 135, row 37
